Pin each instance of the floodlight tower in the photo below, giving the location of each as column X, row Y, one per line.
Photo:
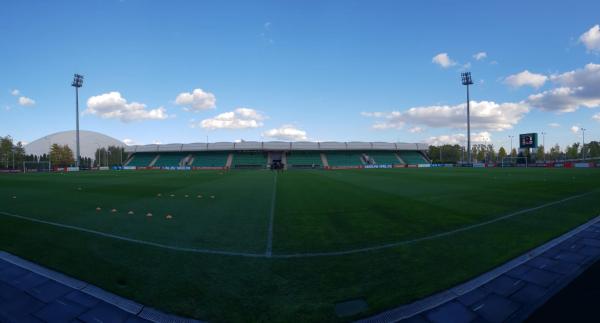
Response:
column 466, row 80
column 77, row 83
column 583, row 142
column 544, row 144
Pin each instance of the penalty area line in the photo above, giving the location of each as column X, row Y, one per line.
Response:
column 269, row 254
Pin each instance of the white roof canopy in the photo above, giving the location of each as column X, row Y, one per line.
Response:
column 278, row 146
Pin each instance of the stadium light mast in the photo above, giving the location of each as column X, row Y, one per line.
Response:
column 467, row 80
column 511, row 147
column 544, row 144
column 583, row 142
column 77, row 83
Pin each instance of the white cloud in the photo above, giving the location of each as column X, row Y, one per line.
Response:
column 240, row 118
column 578, row 88
column 575, row 129
column 479, row 56
column 443, row 60
column 15, row 92
column 591, row 39
column 157, row 142
column 485, row 115
column 286, row 132
column 554, row 125
column 198, row 100
column 416, row 129
column 26, row 102
column 128, row 141
column 459, row 139
column 596, row 117
column 526, row 78
column 113, row 106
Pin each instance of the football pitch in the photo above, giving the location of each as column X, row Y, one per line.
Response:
column 265, row 246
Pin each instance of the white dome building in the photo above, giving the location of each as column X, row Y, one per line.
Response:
column 89, row 142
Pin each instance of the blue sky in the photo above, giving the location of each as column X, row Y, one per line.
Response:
column 300, row 70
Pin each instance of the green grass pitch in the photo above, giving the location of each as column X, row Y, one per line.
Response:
column 212, row 258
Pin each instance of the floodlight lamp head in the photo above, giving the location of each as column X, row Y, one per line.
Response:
column 466, row 78
column 77, row 80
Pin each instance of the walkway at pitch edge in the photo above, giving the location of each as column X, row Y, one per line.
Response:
column 513, row 291
column 30, row 293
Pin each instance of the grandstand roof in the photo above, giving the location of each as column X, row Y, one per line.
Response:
column 279, row 145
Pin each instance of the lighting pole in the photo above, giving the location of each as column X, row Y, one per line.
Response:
column 77, row 83
column 583, row 142
column 544, row 144
column 511, row 147
column 466, row 80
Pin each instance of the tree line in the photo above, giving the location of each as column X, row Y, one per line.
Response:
column 487, row 153
column 13, row 156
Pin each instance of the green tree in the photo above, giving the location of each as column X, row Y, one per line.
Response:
column 593, row 149
column 539, row 155
column 6, row 146
column 19, row 154
column 491, row 152
column 61, row 156
column 555, row 152
column 573, row 151
column 501, row 153
column 513, row 152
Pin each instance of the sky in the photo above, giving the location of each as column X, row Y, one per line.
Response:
column 197, row 71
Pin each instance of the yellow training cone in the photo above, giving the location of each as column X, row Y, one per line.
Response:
column 148, row 214
column 172, row 195
column 130, row 212
column 169, row 217
column 114, row 210
column 98, row 209
column 199, row 196
column 212, row 196
column 187, row 195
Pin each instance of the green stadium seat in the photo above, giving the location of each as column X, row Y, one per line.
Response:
column 383, row 157
column 303, row 159
column 142, row 159
column 249, row 160
column 170, row 159
column 412, row 157
column 342, row 158
column 210, row 159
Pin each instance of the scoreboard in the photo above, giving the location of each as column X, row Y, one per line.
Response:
column 528, row 140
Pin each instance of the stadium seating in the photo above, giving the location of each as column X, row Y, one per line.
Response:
column 343, row 158
column 383, row 158
column 142, row 159
column 412, row 157
column 170, row 159
column 304, row 159
column 210, row 159
column 249, row 159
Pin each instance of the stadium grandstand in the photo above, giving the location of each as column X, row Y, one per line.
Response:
column 289, row 155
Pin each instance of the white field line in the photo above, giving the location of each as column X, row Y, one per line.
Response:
column 295, row 255
column 269, row 251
